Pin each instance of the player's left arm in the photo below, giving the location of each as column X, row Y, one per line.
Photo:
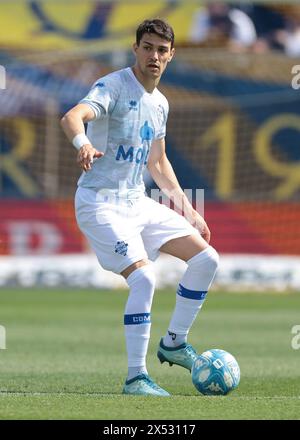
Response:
column 164, row 176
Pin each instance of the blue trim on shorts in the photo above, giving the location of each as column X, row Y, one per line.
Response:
column 137, row 318
column 191, row 294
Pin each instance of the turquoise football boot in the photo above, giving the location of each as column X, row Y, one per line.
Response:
column 143, row 385
column 183, row 355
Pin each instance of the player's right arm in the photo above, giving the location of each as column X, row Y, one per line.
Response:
column 164, row 176
column 73, row 125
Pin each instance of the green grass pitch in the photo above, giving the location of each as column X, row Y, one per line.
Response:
column 65, row 357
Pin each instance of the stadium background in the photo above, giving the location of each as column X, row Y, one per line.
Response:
column 233, row 130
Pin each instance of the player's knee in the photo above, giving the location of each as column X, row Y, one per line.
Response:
column 214, row 258
column 144, row 275
column 149, row 277
column 207, row 260
column 133, row 267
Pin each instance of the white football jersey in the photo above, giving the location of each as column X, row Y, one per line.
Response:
column 127, row 120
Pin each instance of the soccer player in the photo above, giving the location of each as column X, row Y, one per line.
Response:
column 126, row 117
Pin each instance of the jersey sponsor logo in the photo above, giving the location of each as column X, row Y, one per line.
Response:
column 132, row 154
column 137, row 155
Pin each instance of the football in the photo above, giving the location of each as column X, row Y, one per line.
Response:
column 215, row 372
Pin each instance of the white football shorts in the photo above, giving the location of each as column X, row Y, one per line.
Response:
column 122, row 231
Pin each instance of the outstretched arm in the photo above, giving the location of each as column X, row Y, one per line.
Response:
column 73, row 125
column 163, row 174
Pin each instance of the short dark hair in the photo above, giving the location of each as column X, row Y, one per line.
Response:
column 155, row 26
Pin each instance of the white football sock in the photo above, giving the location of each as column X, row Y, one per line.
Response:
column 173, row 340
column 136, row 371
column 137, row 318
column 191, row 295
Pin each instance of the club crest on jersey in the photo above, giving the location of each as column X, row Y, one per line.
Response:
column 121, row 248
column 146, row 132
column 132, row 105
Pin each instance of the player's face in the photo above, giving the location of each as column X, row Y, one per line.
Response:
column 152, row 55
